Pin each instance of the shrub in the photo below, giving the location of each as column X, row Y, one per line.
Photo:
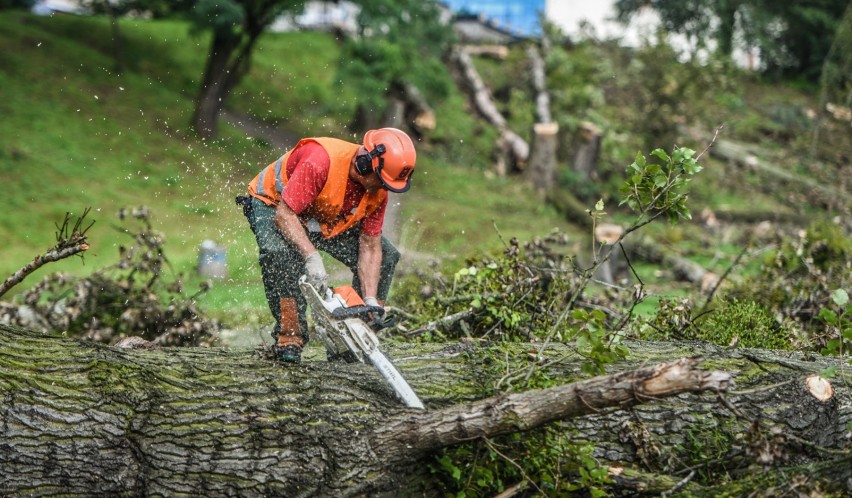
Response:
column 747, row 322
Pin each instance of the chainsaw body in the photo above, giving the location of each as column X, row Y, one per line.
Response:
column 340, row 319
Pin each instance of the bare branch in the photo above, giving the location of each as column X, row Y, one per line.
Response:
column 69, row 242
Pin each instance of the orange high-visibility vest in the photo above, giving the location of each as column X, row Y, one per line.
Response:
column 326, row 208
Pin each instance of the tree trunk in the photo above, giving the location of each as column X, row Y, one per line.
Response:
column 417, row 112
column 539, row 80
column 82, row 418
column 542, row 167
column 213, row 88
column 589, row 150
column 227, row 64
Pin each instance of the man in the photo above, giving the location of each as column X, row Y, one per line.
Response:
column 330, row 195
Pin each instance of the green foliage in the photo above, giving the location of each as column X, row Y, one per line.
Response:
column 525, row 295
column 798, row 279
column 16, row 4
column 654, row 189
column 793, row 38
column 548, row 461
column 399, row 42
column 671, row 320
column 707, row 448
column 222, row 16
column 746, row 323
column 838, row 322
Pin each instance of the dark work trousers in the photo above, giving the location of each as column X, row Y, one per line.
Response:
column 281, row 265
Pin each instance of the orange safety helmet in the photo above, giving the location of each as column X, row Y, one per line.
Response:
column 391, row 155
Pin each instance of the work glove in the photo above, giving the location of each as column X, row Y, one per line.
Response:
column 315, row 272
column 380, row 319
column 371, row 301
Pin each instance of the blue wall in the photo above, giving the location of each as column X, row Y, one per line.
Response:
column 518, row 16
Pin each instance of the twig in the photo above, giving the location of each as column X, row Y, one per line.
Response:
column 723, row 277
column 500, row 235
column 447, row 320
column 523, row 473
column 39, row 261
column 68, row 243
column 715, row 135
column 730, row 406
column 512, row 490
column 683, row 482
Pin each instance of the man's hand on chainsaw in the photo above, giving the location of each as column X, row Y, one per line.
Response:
column 371, row 301
column 379, row 319
column 315, row 272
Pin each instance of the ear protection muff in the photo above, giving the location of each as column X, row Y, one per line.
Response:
column 364, row 164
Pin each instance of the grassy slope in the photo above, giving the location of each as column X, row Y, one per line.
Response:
column 75, row 134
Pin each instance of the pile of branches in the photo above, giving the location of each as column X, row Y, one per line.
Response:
column 531, row 291
column 130, row 298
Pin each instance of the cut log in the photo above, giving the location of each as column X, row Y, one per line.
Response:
column 517, row 147
column 82, row 418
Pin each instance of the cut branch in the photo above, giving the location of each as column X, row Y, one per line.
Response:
column 68, row 243
column 514, row 412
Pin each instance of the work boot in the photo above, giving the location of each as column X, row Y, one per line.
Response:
column 289, row 346
column 288, row 354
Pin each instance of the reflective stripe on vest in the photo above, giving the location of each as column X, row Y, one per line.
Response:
column 269, row 184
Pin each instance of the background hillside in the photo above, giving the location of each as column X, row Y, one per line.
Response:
column 77, row 134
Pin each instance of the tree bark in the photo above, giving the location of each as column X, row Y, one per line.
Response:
column 542, row 167
column 82, row 418
column 588, row 151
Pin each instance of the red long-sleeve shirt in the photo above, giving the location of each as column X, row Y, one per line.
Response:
column 307, row 172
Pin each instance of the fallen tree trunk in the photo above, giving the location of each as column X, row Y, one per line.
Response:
column 85, row 418
column 517, row 148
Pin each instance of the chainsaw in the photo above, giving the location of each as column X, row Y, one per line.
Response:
column 340, row 319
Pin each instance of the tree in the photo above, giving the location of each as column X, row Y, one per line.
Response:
column 793, row 37
column 399, row 45
column 236, row 26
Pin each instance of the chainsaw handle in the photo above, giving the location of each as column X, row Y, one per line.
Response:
column 379, row 321
column 363, row 311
